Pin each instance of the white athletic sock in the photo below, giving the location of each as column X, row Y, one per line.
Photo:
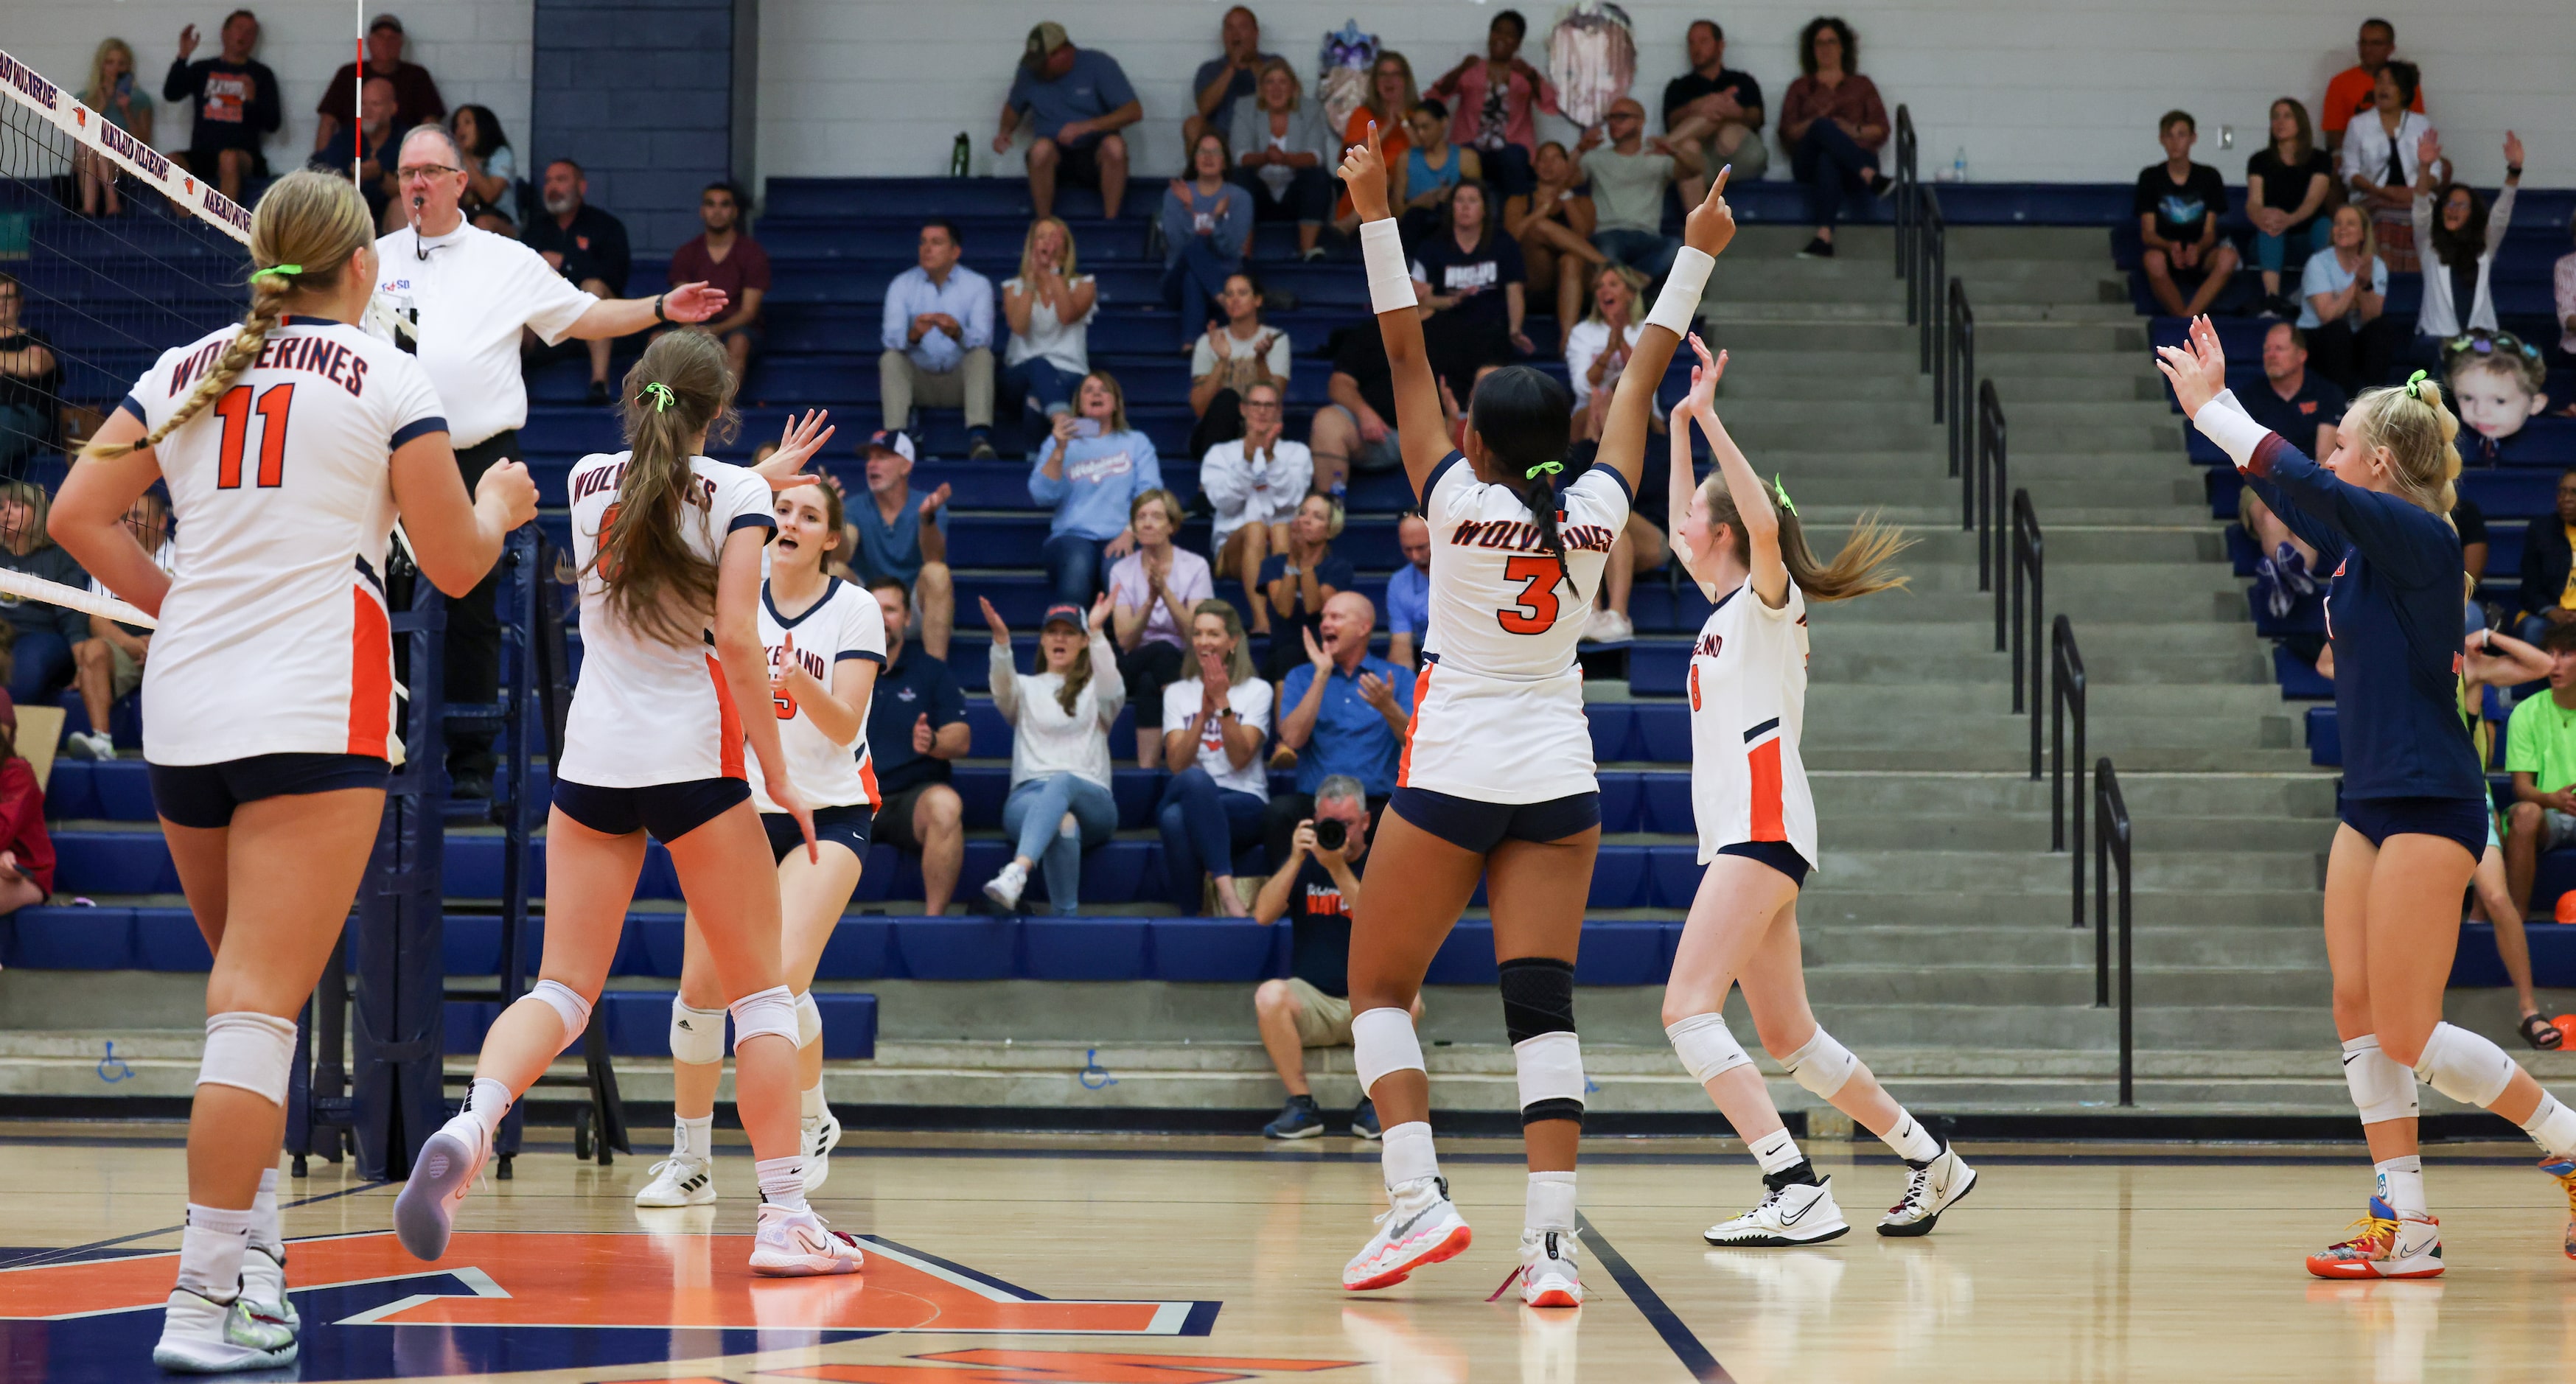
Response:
column 210, row 1251
column 811, row 1101
column 263, row 1215
column 2401, row 1185
column 487, row 1100
column 693, row 1138
column 2552, row 1126
column 1775, row 1151
column 1911, row 1140
column 1407, row 1154
column 1550, row 1202
column 782, row 1182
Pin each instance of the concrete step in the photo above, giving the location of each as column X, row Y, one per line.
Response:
column 2006, row 873
column 2231, row 905
column 2029, row 833
column 2054, row 944
column 2306, row 795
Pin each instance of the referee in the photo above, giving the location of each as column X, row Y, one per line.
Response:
column 471, row 293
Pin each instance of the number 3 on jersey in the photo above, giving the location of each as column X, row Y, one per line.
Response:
column 235, row 408
column 1536, row 610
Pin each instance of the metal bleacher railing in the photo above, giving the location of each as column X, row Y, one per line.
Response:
column 2111, row 852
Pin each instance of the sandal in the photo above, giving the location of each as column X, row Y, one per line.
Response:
column 2541, row 1033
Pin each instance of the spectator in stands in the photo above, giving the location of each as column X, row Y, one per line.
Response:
column 375, row 163
column 587, row 245
column 2464, row 235
column 938, row 339
column 30, row 382
column 416, row 98
column 232, row 99
column 897, row 536
column 2497, row 384
column 1207, row 232
column 2549, row 566
column 1470, row 277
column 1431, row 170
column 916, row 727
column 2492, row 660
column 1598, row 347
column 1230, row 359
column 1553, row 225
column 1254, row 484
column 725, row 256
column 113, row 94
column 1493, row 95
column 2289, row 191
column 1280, row 147
column 1299, row 579
column 1214, row 723
column 1716, row 109
column 2562, row 278
column 2179, row 205
column 1628, row 177
column 1353, row 431
column 1408, row 592
column 2343, row 304
column 2354, row 91
column 1344, row 711
column 1076, row 100
column 2379, row 163
column 1222, row 82
column 2298, row 403
column 2540, row 753
column 1833, row 125
column 26, row 850
column 108, row 665
column 2471, row 521
column 1390, row 103
column 1089, row 471
column 1316, row 890
column 1152, row 592
column 491, row 169
column 1049, row 305
column 41, row 654
column 1060, row 805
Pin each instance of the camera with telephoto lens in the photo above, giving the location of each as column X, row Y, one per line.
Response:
column 1331, row 833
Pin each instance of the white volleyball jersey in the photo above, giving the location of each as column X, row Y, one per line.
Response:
column 274, row 638
column 843, row 627
column 646, row 712
column 1498, row 710
column 1748, row 700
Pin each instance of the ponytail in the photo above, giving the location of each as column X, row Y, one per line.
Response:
column 658, row 585
column 2420, row 435
column 1524, row 421
column 1860, row 568
column 1537, row 493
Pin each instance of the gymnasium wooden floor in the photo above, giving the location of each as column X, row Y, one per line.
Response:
column 1017, row 1259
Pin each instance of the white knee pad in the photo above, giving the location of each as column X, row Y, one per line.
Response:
column 2381, row 1089
column 564, row 1000
column 770, row 1011
column 809, row 1019
column 1822, row 1066
column 1551, row 1077
column 1382, row 1041
column 1706, row 1047
column 697, row 1035
column 2464, row 1066
column 255, row 1052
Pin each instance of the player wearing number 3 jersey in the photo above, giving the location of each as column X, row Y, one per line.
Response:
column 1496, row 780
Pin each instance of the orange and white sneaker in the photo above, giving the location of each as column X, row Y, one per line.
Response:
column 2382, row 1245
column 1547, row 1272
column 1419, row 1227
column 797, row 1244
column 2564, row 1169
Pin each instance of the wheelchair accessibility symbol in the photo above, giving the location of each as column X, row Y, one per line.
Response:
column 1093, row 1076
column 112, row 1068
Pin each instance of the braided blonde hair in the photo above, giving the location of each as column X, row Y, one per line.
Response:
column 2421, row 436
column 311, row 221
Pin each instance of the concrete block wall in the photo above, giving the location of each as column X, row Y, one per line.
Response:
column 641, row 94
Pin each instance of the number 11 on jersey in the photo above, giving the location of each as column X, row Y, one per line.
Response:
column 235, row 408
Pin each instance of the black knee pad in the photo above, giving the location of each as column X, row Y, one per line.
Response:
column 1538, row 996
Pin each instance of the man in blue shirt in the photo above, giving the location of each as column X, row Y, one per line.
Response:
column 1408, row 593
column 1344, row 711
column 895, row 535
column 938, row 339
column 916, row 725
column 1075, row 100
column 1223, row 81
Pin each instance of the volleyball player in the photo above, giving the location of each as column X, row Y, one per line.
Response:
column 1496, row 779
column 288, row 443
column 2414, row 811
column 1757, row 835
column 668, row 544
column 823, row 662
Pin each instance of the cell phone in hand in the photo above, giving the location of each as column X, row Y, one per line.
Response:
column 125, row 84
column 1086, row 427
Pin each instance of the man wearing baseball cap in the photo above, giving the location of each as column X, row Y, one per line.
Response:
column 416, row 98
column 1075, row 99
column 896, row 535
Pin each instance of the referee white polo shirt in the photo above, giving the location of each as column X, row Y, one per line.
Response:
column 473, row 291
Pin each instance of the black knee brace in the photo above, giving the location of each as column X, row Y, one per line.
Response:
column 1538, row 1000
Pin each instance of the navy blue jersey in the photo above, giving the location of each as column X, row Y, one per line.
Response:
column 2393, row 613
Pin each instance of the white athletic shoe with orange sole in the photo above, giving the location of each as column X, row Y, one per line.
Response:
column 1419, row 1227
column 2383, row 1245
column 1547, row 1272
column 425, row 1213
column 797, row 1244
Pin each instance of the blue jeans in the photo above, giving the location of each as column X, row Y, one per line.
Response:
column 1309, row 199
column 1829, row 162
column 2272, row 252
column 1203, row 825
column 1507, row 171
column 1037, row 385
column 43, row 668
column 1073, row 568
column 1033, row 817
column 1646, row 252
column 1195, row 279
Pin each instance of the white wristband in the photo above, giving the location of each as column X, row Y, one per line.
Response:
column 2224, row 421
column 1679, row 302
column 1390, row 279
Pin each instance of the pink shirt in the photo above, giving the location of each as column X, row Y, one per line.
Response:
column 1466, row 98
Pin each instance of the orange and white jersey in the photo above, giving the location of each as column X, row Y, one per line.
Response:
column 1498, row 711
column 646, row 712
column 835, row 631
column 1748, row 700
column 274, row 638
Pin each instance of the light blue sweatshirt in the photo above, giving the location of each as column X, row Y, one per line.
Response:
column 1102, row 477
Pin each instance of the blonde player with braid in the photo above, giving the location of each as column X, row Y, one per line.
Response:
column 289, row 444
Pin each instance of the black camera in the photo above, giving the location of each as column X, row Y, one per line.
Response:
column 1331, row 833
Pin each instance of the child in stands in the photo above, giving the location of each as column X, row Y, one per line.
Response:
column 26, row 851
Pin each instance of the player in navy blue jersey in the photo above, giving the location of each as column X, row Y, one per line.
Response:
column 2414, row 809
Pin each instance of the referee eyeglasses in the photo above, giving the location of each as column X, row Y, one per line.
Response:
column 416, row 172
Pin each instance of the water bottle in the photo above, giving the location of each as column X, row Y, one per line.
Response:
column 1959, row 166
column 958, row 155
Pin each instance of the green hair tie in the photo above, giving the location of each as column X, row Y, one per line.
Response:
column 661, row 396
column 1545, row 467
column 1781, row 493
column 280, row 270
column 2415, row 384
